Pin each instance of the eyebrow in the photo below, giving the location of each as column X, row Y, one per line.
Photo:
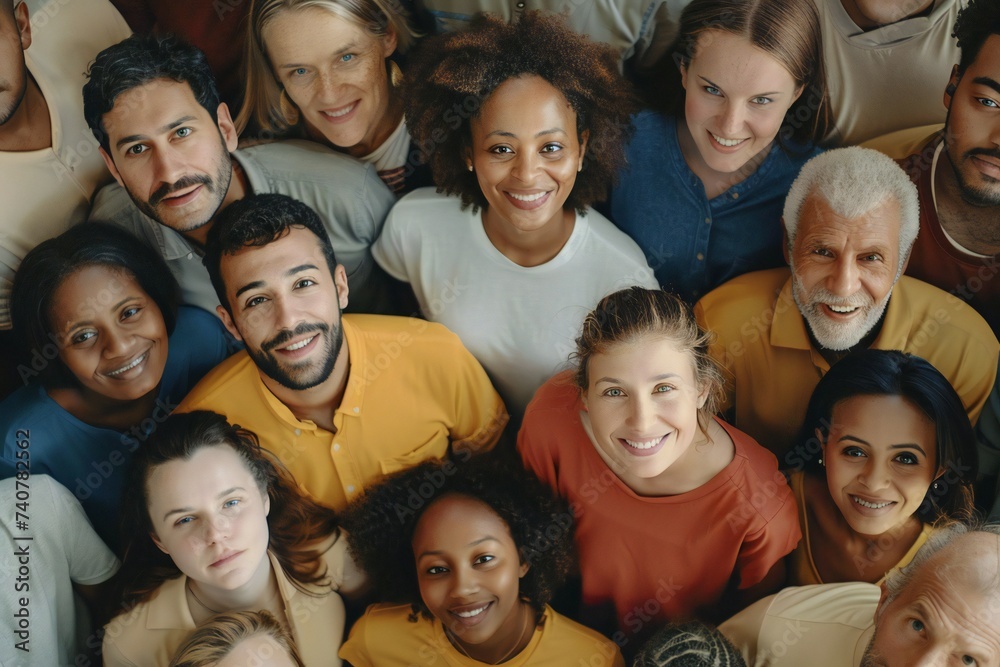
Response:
column 185, row 510
column 988, row 82
column 504, row 133
column 352, row 46
column 290, row 272
column 904, row 445
column 118, row 305
column 656, row 378
column 163, row 130
column 432, row 552
column 715, row 85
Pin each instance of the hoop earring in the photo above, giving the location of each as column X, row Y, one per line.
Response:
column 395, row 74
column 289, row 112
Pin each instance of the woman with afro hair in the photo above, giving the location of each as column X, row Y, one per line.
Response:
column 524, row 126
column 470, row 553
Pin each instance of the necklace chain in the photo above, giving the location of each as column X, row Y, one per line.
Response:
column 198, row 599
column 458, row 645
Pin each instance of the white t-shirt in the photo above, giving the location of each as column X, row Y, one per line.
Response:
column 38, row 572
column 889, row 78
column 826, row 625
column 45, row 192
column 519, row 322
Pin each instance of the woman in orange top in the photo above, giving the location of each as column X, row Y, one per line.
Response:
column 678, row 513
column 886, row 448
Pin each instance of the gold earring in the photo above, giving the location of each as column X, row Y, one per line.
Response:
column 288, row 109
column 395, row 74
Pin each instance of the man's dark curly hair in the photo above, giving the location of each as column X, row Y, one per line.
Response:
column 452, row 75
column 257, row 221
column 136, row 61
column 382, row 523
column 974, row 25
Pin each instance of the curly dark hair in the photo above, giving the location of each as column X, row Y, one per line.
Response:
column 134, row 62
column 974, row 25
column 257, row 221
column 297, row 526
column 381, row 525
column 451, row 76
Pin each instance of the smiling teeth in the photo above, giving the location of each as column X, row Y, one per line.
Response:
column 138, row 360
column 871, row 506
column 842, row 309
column 728, row 143
column 338, row 114
column 534, row 197
column 470, row 614
column 643, row 444
column 299, row 346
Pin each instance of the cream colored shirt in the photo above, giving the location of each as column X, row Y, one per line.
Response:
column 45, row 192
column 828, row 625
column 889, row 78
column 149, row 634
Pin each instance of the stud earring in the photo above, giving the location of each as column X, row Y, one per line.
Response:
column 821, row 461
column 469, row 166
column 936, row 486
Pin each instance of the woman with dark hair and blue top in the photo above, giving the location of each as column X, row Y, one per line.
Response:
column 705, row 185
column 96, row 310
column 886, row 449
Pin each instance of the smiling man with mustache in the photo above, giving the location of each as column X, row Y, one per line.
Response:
column 172, row 146
column 341, row 400
column 850, row 220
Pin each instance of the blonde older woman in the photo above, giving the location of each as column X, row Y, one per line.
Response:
column 322, row 69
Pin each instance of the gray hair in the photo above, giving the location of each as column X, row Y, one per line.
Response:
column 854, row 181
column 943, row 535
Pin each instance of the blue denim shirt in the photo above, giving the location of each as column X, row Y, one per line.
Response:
column 694, row 244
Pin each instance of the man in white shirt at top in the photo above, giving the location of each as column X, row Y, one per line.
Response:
column 49, row 163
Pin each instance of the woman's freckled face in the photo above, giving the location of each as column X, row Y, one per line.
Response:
column 334, row 71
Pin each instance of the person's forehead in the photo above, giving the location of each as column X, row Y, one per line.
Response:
column 880, row 224
column 152, row 106
column 987, row 62
column 297, row 248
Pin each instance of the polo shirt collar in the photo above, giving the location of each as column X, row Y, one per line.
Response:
column 788, row 328
column 169, row 610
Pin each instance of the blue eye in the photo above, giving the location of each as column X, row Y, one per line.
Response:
column 184, row 520
column 614, row 392
column 762, row 100
column 347, row 57
column 987, row 102
column 712, row 90
column 137, row 149
column 183, row 132
column 231, row 503
column 299, row 71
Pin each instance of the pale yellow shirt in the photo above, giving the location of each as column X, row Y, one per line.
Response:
column 150, row 633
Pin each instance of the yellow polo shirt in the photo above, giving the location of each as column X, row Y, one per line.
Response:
column 412, row 391
column 772, row 368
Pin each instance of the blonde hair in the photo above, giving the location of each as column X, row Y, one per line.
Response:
column 633, row 313
column 261, row 102
column 216, row 639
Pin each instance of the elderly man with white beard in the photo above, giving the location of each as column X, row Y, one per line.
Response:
column 850, row 221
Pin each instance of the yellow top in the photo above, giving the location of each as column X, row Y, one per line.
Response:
column 385, row 636
column 802, row 569
column 412, row 391
column 762, row 342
